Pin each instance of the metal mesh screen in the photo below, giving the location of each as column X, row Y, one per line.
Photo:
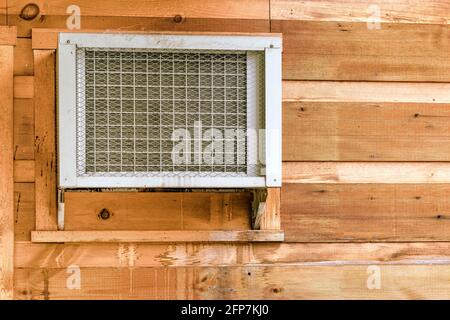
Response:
column 162, row 113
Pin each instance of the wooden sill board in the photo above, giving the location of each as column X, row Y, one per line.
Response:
column 158, row 236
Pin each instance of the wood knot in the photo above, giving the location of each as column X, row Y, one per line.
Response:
column 29, row 11
column 276, row 290
column 104, row 214
column 178, row 18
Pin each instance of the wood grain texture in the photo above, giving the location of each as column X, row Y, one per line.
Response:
column 24, row 211
column 249, row 282
column 352, row 52
column 229, row 15
column 366, row 172
column 23, row 87
column 6, row 173
column 158, row 236
column 152, row 8
column 350, row 91
column 24, row 170
column 24, row 129
column 399, row 11
column 23, row 58
column 329, row 131
column 116, row 255
column 3, row 12
column 270, row 220
column 157, row 211
column 45, row 143
column 8, row 34
column 365, row 212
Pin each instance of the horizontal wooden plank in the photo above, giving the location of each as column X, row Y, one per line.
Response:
column 348, row 91
column 365, row 212
column 152, row 8
column 173, row 15
column 366, row 172
column 157, row 211
column 23, row 129
column 158, row 236
column 23, row 58
column 116, row 255
column 8, row 34
column 250, row 282
column 399, row 11
column 352, row 52
column 24, row 211
column 330, row 131
column 23, row 87
column 23, row 171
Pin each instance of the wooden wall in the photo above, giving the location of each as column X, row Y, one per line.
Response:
column 366, row 145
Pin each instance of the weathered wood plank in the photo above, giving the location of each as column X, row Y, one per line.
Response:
column 155, row 211
column 270, row 220
column 8, row 35
column 45, row 144
column 6, row 173
column 152, row 8
column 378, row 92
column 23, row 58
column 366, row 172
column 3, row 12
column 116, row 255
column 365, row 212
column 24, row 211
column 173, row 15
column 399, row 11
column 329, row 131
column 23, row 87
column 23, row 171
column 23, row 129
column 158, row 236
column 250, row 282
column 352, row 52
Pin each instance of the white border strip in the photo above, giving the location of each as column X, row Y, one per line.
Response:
column 160, row 41
column 171, row 182
column 67, row 117
column 273, row 117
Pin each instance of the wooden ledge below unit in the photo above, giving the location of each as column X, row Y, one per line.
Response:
column 159, row 236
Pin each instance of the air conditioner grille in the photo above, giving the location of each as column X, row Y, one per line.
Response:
column 130, row 103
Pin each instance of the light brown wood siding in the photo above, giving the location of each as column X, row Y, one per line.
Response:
column 366, row 150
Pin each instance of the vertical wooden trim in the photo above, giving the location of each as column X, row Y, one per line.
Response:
column 270, row 220
column 45, row 140
column 6, row 173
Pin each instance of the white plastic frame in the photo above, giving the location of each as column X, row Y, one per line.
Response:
column 67, row 106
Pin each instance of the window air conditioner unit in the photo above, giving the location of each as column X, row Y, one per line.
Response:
column 169, row 110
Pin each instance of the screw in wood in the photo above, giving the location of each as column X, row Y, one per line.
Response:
column 104, row 214
column 178, row 18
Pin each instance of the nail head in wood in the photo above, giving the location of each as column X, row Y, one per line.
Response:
column 178, row 18
column 104, row 214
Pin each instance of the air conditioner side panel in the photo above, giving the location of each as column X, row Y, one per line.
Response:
column 66, row 69
column 273, row 116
